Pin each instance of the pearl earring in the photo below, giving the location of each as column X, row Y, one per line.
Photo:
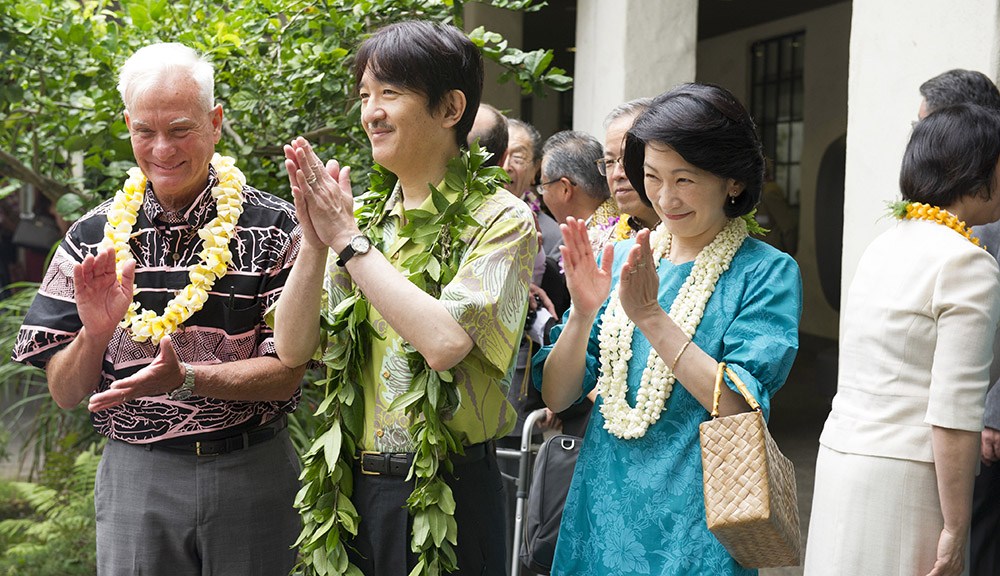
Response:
column 732, row 199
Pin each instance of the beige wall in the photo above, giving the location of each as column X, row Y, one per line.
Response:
column 626, row 49
column 724, row 60
column 887, row 66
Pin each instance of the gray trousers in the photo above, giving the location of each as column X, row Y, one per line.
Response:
column 161, row 512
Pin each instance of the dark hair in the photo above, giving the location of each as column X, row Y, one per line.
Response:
column 710, row 129
column 960, row 86
column 952, row 153
column 429, row 58
column 571, row 154
column 494, row 137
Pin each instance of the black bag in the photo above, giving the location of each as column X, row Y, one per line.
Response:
column 38, row 233
column 543, row 511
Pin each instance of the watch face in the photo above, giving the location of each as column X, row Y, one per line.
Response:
column 182, row 394
column 360, row 244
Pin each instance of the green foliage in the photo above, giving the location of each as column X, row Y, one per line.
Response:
column 53, row 533
column 41, row 426
column 282, row 69
column 12, row 505
column 329, row 517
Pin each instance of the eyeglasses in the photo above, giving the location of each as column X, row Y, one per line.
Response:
column 540, row 189
column 605, row 164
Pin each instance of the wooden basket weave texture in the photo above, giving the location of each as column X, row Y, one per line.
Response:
column 750, row 493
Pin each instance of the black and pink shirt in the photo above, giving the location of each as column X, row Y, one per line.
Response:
column 230, row 327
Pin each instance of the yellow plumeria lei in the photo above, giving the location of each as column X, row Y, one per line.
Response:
column 623, row 231
column 215, row 254
column 615, row 338
column 920, row 211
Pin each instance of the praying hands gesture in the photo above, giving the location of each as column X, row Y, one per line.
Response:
column 324, row 203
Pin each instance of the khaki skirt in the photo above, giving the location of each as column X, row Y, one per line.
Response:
column 873, row 516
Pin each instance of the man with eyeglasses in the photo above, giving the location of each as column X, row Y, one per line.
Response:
column 524, row 158
column 572, row 187
column 636, row 214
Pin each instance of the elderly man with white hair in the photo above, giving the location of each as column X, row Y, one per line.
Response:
column 152, row 311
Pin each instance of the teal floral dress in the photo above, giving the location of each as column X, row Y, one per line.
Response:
column 636, row 506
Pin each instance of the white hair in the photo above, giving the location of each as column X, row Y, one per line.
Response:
column 153, row 64
column 630, row 108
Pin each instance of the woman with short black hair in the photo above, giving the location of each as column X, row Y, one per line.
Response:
column 898, row 452
column 635, row 505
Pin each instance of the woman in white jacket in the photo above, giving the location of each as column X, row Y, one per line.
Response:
column 898, row 452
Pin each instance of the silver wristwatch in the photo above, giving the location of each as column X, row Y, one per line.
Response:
column 185, row 390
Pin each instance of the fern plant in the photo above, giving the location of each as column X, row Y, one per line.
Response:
column 29, row 412
column 58, row 536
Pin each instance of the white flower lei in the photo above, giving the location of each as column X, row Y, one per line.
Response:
column 687, row 310
column 215, row 255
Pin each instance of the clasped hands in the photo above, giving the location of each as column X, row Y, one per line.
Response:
column 324, row 203
column 590, row 284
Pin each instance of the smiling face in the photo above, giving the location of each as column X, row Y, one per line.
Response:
column 621, row 189
column 173, row 139
column 689, row 200
column 401, row 128
column 520, row 164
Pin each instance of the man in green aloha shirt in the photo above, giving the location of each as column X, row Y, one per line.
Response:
column 426, row 287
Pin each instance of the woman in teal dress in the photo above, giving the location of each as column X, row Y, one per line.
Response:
column 635, row 505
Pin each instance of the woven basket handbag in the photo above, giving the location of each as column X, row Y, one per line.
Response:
column 750, row 497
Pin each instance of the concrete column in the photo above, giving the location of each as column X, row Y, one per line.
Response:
column 895, row 46
column 628, row 49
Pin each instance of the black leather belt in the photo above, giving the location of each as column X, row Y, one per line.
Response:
column 220, row 446
column 398, row 463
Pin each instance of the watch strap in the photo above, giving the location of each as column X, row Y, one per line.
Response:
column 349, row 251
column 345, row 255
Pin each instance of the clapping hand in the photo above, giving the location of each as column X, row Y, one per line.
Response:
column 162, row 375
column 324, row 203
column 101, row 300
column 588, row 283
column 639, row 283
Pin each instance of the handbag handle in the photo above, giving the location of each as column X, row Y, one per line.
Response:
column 723, row 369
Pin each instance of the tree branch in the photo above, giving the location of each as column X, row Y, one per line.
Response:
column 50, row 188
column 313, row 136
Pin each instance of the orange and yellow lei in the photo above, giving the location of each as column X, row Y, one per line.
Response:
column 920, row 211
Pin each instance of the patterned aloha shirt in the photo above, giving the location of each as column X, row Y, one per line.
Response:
column 488, row 297
column 601, row 226
column 229, row 328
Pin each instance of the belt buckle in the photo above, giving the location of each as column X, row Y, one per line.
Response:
column 367, row 472
column 198, row 449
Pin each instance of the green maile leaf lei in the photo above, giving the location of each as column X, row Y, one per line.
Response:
column 329, row 518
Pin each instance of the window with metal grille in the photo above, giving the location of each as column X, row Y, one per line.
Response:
column 776, row 103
